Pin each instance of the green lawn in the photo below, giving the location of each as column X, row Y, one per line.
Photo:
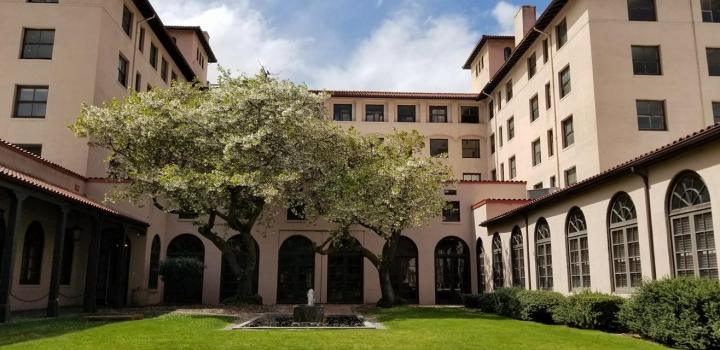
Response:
column 407, row 328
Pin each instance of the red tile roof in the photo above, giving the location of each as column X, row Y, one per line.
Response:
column 499, row 200
column 492, row 182
column 480, row 44
column 391, row 94
column 37, row 158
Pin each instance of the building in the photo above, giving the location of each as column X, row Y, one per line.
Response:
column 546, row 198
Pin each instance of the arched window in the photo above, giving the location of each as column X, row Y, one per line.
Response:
column 480, row 251
column 507, row 52
column 228, row 280
column 497, row 262
column 154, row 263
column 543, row 255
column 452, row 270
column 625, row 243
column 296, row 270
column 32, row 254
column 517, row 256
column 577, row 246
column 190, row 292
column 345, row 274
column 404, row 272
column 693, row 239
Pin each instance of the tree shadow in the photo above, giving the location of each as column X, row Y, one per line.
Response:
column 27, row 329
column 414, row 312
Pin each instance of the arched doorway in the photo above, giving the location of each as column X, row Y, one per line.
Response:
column 185, row 289
column 345, row 274
column 296, row 270
column 404, row 272
column 228, row 281
column 113, row 268
column 452, row 270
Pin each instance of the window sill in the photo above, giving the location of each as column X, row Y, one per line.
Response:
column 35, row 59
column 452, row 222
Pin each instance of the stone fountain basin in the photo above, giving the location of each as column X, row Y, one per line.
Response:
column 285, row 321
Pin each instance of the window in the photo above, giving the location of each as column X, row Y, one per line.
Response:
column 342, row 112
column 451, row 212
column 452, row 270
column 517, row 258
column 469, row 114
column 641, row 10
column 507, row 52
column 713, row 58
column 499, row 100
column 471, row 148
column 497, row 262
column 500, row 136
column 493, row 175
column 508, row 91
column 564, row 78
column 127, row 19
column 511, row 128
column 141, row 40
column 570, row 176
column 710, row 10
column 531, row 65
column 138, row 81
column 482, row 62
column 546, row 50
column 31, row 101
column 406, row 113
column 38, row 44
column 153, row 55
column 374, row 113
column 646, row 60
column 492, row 143
column 122, row 69
column 67, row 258
column 154, row 263
column 491, row 110
column 33, row 148
column 536, row 152
column 472, row 177
column 716, row 111
column 534, row 108
column 450, row 192
column 480, row 260
column 502, row 172
column 438, row 147
column 578, row 253
column 693, row 237
column 543, row 255
column 513, row 167
column 538, row 186
column 561, row 33
column 552, row 182
column 43, row 1
column 32, row 254
column 550, row 143
column 651, row 115
column 548, row 96
column 625, row 243
column 438, row 114
column 164, row 69
column 568, row 132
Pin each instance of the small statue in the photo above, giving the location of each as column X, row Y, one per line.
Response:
column 311, row 297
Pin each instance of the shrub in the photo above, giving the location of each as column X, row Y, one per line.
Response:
column 471, row 300
column 590, row 310
column 484, row 302
column 239, row 300
column 183, row 279
column 538, row 305
column 681, row 312
column 506, row 302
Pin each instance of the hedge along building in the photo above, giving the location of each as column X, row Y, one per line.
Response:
column 546, row 109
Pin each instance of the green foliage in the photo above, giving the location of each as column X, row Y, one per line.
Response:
column 682, row 312
column 485, row 302
column 183, row 275
column 507, row 302
column 538, row 305
column 590, row 310
column 240, row 300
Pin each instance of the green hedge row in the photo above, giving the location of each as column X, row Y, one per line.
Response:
column 683, row 312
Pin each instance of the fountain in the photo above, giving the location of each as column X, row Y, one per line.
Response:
column 309, row 313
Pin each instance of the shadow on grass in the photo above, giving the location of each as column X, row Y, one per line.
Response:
column 32, row 329
column 410, row 312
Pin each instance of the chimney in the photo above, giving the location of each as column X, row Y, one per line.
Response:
column 524, row 22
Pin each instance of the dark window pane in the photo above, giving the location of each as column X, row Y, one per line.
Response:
column 342, row 112
column 536, row 152
column 438, row 147
column 570, row 176
column 534, row 108
column 561, row 34
column 651, row 115
column 713, row 58
column 127, row 19
column 641, row 10
column 472, row 177
column 471, row 148
column 565, row 86
column 438, row 114
column 406, row 113
column 531, row 63
column 646, row 60
column 469, row 114
column 38, row 43
column 374, row 113
column 710, row 10
column 30, row 102
column 508, row 91
column 511, row 128
column 35, row 149
column 451, row 212
column 122, row 70
column 716, row 111
column 568, row 132
column 153, row 56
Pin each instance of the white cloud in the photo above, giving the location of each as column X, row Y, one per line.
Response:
column 504, row 13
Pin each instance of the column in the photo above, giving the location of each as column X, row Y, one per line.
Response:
column 58, row 247
column 90, row 299
column 6, row 256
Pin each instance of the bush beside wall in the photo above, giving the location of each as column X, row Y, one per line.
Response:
column 538, row 305
column 506, row 302
column 590, row 310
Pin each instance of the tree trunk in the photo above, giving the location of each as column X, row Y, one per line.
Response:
column 384, row 269
column 248, row 260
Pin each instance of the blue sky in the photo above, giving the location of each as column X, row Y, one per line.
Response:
column 400, row 45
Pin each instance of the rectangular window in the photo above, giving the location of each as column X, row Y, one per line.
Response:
column 538, row 186
column 561, row 33
column 164, row 69
column 568, row 132
column 534, row 108
column 513, row 167
column 499, row 100
column 472, row 177
column 153, row 55
column 502, row 172
column 570, row 176
column 450, row 191
column 374, row 113
column 451, row 212
column 548, row 96
column 492, row 143
column 406, row 113
column 33, row 148
column 713, row 58
column 716, row 111
column 511, row 128
column 138, row 81
column 550, row 143
column 38, row 44
column 122, row 70
column 710, row 10
column 127, row 20
column 646, row 60
column 651, row 115
column 30, row 101
column 564, row 79
column 546, row 51
column 438, row 114
column 493, row 175
column 642, row 10
column 141, row 40
column 531, row 66
column 536, row 152
column 438, row 147
column 342, row 112
column 552, row 181
column 43, row 1
column 471, row 148
column 491, row 110
column 500, row 136
column 469, row 114
column 508, row 91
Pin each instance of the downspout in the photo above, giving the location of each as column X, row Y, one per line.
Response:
column 497, row 149
column 648, row 217
column 527, row 251
column 133, row 74
column 556, row 130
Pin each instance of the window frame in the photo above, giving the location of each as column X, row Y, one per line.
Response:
column 716, row 111
column 414, row 113
column 498, row 265
column 474, row 151
column 464, row 118
column 625, row 224
column 651, row 117
column 17, row 101
column 550, row 143
column 511, row 128
column 153, row 57
column 534, row 108
column 517, row 257
column 713, row 60
column 543, row 268
column 578, row 217
column 451, row 211
column 126, row 22
column 567, row 172
column 568, row 138
column 508, row 90
column 447, row 147
column 531, row 65
column 637, row 19
column 339, row 107
column 565, row 89
column 536, row 149
column 38, row 44
column 375, row 114
column 637, row 62
column 123, row 61
column 431, row 116
column 472, row 176
column 512, row 167
column 561, row 34
column 711, row 14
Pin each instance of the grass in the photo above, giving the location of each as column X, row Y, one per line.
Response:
column 407, row 328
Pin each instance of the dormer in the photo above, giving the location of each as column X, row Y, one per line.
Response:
column 194, row 43
column 489, row 55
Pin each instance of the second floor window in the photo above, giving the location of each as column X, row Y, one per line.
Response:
column 511, row 128
column 716, row 111
column 374, row 113
column 651, row 115
column 451, row 212
column 534, row 108
column 406, row 113
column 570, row 176
column 141, row 40
column 491, row 110
column 536, row 152
column 122, row 70
column 710, row 10
column 531, row 66
column 641, row 10
column 713, row 58
column 546, row 51
column 471, row 148
column 438, row 114
column 472, row 177
column 342, row 112
column 30, row 101
column 38, row 43
column 438, row 147
column 492, row 144
column 564, row 79
column 164, row 69
column 568, row 130
column 561, row 33
column 646, row 60
column 153, row 55
column 469, row 114
column 127, row 19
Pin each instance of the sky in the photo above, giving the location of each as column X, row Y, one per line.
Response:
column 389, row 45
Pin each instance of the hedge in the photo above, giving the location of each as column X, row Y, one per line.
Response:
column 590, row 310
column 538, row 305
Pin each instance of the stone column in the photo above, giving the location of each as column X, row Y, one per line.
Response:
column 6, row 256
column 57, row 258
